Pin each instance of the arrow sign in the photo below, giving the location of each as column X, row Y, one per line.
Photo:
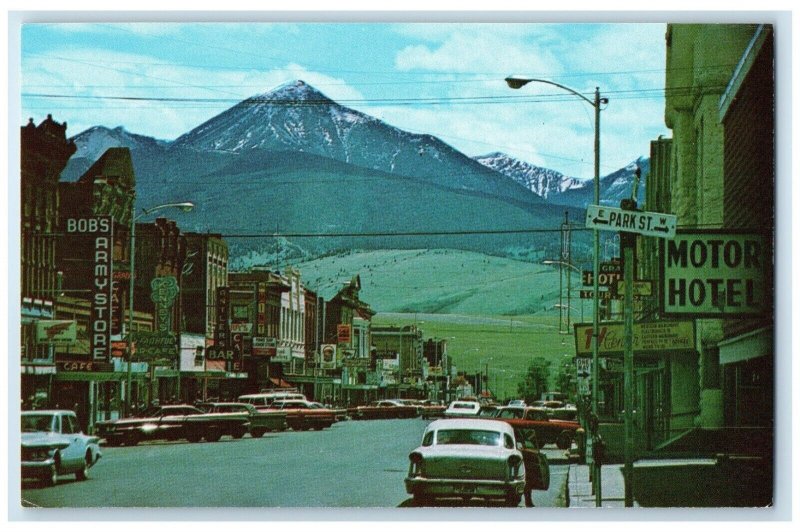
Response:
column 642, row 223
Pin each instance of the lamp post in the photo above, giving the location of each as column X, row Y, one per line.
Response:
column 185, row 206
column 516, row 82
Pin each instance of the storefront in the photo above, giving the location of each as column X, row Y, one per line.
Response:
column 95, row 390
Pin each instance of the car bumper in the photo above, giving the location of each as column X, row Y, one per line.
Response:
column 37, row 468
column 461, row 487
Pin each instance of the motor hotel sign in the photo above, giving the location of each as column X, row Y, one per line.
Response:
column 714, row 274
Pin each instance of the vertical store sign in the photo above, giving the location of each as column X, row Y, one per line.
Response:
column 101, row 229
column 222, row 335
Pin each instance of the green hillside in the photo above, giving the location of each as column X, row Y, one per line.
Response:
column 441, row 281
column 489, row 309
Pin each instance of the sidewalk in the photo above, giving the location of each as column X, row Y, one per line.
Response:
column 579, row 489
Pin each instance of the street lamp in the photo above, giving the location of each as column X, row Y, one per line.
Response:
column 184, row 206
column 516, row 82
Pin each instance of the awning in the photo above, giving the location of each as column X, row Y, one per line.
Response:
column 280, row 383
column 754, row 344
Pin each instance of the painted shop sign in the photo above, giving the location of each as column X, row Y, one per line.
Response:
column 654, row 336
column 56, row 332
column 715, row 274
column 83, row 365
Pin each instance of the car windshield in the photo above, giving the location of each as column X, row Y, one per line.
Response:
column 463, row 406
column 468, row 437
column 37, row 423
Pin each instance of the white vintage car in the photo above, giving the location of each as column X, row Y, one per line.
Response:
column 463, row 409
column 53, row 444
column 467, row 458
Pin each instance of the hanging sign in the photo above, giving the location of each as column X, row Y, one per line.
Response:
column 715, row 274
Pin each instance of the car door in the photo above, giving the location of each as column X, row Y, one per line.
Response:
column 72, row 455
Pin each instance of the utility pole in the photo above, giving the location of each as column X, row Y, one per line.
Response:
column 627, row 243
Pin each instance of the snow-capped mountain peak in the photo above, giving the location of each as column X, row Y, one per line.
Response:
column 541, row 181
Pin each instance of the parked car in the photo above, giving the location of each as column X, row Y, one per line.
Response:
column 341, row 414
column 172, row 422
column 265, row 399
column 463, row 409
column 558, row 431
column 516, row 402
column 467, row 458
column 259, row 422
column 53, row 445
column 385, row 409
column 304, row 415
column 433, row 409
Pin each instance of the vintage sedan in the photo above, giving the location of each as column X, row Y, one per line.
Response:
column 463, row 409
column 559, row 431
column 260, row 422
column 53, row 445
column 386, row 409
column 171, row 422
column 467, row 458
column 304, row 415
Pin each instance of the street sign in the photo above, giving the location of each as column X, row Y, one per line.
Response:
column 644, row 223
column 584, row 373
column 607, row 295
column 640, row 288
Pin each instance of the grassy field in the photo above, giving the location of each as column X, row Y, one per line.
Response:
column 440, row 281
column 506, row 344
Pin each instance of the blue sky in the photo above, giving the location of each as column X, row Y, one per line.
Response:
column 457, row 70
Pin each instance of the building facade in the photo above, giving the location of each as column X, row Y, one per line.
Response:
column 44, row 152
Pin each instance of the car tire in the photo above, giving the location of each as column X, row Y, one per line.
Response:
column 238, row 433
column 513, row 500
column 132, row 439
column 421, row 499
column 213, row 435
column 193, row 436
column 564, row 440
column 83, row 472
column 113, row 441
column 257, row 433
column 51, row 479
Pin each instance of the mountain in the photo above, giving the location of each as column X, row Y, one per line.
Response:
column 93, row 142
column 559, row 189
column 297, row 117
column 543, row 182
column 293, row 163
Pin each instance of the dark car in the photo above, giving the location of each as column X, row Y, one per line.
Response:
column 171, row 422
column 386, row 409
column 259, row 422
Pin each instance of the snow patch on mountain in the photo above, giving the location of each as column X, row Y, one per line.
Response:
column 543, row 182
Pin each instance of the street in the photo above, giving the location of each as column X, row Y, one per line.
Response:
column 352, row 464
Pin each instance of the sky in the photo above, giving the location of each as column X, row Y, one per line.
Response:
column 443, row 79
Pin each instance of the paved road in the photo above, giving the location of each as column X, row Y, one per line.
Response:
column 356, row 464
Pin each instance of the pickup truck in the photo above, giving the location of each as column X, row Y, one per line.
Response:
column 172, row 422
column 548, row 430
column 260, row 422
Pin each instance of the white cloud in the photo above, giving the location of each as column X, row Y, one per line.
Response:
column 92, row 73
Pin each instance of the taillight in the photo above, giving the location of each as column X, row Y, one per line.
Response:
column 514, row 462
column 416, row 464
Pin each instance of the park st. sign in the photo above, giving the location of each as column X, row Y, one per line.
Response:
column 715, row 274
column 643, row 223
